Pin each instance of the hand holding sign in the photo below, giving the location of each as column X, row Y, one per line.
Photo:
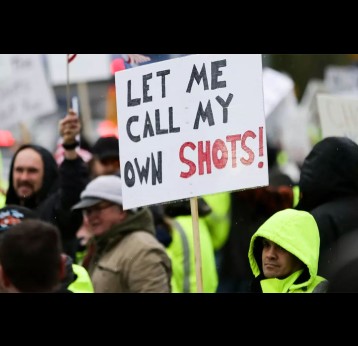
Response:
column 69, row 128
column 137, row 58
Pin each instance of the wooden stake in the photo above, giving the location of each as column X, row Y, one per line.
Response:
column 197, row 252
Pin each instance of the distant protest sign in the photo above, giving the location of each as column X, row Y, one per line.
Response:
column 338, row 115
column 85, row 68
column 191, row 126
column 276, row 86
column 341, row 79
column 25, row 93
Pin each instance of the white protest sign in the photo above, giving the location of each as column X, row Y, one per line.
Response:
column 5, row 67
column 338, row 115
column 24, row 91
column 84, row 68
column 191, row 126
column 276, row 87
column 340, row 79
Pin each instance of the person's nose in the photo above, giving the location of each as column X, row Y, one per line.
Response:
column 271, row 252
column 24, row 175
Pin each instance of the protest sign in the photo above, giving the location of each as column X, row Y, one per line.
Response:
column 276, row 86
column 341, row 79
column 338, row 115
column 24, row 91
column 191, row 126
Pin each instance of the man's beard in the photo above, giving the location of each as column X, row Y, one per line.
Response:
column 30, row 189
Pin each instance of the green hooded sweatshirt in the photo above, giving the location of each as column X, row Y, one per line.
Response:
column 297, row 232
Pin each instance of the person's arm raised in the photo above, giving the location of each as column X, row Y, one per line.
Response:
column 69, row 128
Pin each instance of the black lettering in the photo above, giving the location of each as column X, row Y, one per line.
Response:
column 129, row 170
column 158, row 130
column 215, row 73
column 143, row 173
column 208, row 114
column 172, row 129
column 130, row 102
column 163, row 74
column 148, row 127
column 129, row 123
column 157, row 173
column 225, row 105
column 195, row 75
column 146, row 98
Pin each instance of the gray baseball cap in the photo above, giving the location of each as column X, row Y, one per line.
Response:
column 102, row 188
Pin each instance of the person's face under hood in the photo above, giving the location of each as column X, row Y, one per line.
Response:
column 28, row 173
column 277, row 262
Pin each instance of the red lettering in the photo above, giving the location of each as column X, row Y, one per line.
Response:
column 204, row 156
column 248, row 161
column 232, row 139
column 219, row 153
column 219, row 145
column 191, row 164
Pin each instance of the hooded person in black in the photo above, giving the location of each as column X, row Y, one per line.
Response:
column 37, row 183
column 329, row 191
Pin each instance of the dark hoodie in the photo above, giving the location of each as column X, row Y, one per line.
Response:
column 60, row 190
column 329, row 187
column 50, row 181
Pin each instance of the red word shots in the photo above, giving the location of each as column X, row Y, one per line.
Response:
column 220, row 153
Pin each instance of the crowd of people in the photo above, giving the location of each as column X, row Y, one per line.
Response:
column 63, row 227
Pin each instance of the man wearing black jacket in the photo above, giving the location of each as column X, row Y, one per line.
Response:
column 37, row 183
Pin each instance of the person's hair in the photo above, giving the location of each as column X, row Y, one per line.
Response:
column 30, row 254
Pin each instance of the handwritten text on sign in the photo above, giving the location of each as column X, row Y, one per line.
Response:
column 191, row 126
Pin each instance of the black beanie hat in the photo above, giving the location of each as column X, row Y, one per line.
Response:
column 106, row 148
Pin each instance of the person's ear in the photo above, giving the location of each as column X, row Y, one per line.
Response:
column 62, row 269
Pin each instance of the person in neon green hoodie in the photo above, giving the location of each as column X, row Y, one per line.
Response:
column 284, row 254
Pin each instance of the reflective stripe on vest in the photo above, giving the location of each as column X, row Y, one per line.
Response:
column 186, row 253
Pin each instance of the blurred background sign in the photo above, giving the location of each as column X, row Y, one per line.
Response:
column 5, row 67
column 24, row 90
column 276, row 86
column 341, row 79
column 85, row 68
column 338, row 115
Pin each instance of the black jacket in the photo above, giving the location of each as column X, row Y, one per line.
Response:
column 61, row 189
column 329, row 187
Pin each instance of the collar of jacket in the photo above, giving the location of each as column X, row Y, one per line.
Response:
column 141, row 220
column 275, row 285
